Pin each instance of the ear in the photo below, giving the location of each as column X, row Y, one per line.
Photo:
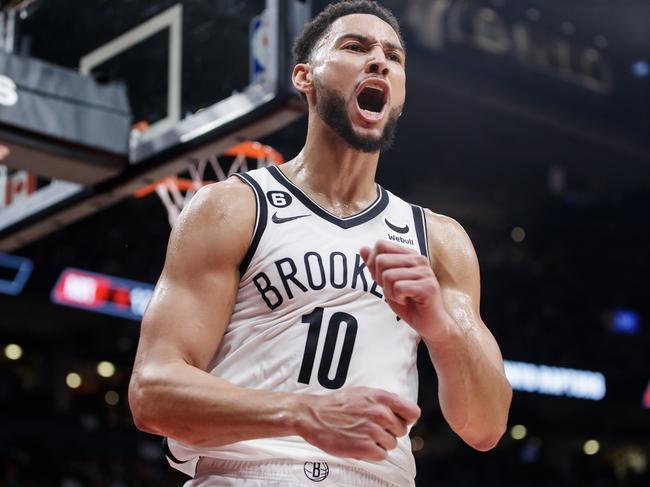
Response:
column 302, row 78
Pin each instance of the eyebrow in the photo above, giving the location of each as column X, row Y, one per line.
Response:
column 366, row 40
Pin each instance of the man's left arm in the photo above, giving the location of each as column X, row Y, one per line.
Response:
column 474, row 392
column 440, row 300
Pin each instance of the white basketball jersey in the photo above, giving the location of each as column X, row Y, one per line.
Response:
column 309, row 318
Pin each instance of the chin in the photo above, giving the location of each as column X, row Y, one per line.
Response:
column 369, row 140
column 360, row 131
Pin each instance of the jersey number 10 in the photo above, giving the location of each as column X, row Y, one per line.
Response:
column 314, row 320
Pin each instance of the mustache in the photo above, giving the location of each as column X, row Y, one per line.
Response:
column 331, row 107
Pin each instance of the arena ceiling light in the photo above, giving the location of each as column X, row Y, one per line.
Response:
column 73, row 380
column 13, row 351
column 106, row 369
column 591, row 447
column 518, row 432
column 111, row 398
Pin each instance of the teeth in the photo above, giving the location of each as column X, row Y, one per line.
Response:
column 376, row 88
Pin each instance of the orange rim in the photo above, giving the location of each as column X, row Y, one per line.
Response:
column 181, row 183
column 255, row 150
column 249, row 148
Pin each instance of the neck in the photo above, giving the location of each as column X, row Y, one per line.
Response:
column 338, row 177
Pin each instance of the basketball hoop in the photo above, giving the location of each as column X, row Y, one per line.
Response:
column 176, row 192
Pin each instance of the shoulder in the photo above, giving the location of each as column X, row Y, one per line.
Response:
column 217, row 222
column 225, row 199
column 452, row 253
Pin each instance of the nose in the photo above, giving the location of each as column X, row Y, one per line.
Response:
column 377, row 63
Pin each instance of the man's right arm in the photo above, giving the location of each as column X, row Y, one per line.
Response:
column 171, row 393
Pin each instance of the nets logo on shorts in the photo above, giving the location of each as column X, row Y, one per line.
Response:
column 316, row 471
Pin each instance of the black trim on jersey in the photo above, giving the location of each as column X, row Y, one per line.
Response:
column 421, row 229
column 260, row 221
column 168, row 453
column 426, row 233
column 351, row 221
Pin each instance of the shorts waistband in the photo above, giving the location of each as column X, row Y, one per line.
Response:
column 323, row 473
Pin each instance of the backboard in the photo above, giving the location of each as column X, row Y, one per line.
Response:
column 201, row 76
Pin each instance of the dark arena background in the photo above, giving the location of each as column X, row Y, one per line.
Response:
column 528, row 121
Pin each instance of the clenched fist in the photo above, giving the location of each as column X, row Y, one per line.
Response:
column 410, row 287
column 359, row 422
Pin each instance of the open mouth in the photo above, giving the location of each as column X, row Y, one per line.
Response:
column 372, row 99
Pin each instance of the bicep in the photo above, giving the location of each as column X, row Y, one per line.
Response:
column 186, row 319
column 194, row 297
column 456, row 267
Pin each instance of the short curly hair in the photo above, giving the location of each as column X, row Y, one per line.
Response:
column 314, row 30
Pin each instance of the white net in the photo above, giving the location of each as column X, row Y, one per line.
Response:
column 176, row 192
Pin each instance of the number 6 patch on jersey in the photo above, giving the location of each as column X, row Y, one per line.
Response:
column 279, row 199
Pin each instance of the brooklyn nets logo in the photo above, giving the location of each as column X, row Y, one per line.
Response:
column 316, row 471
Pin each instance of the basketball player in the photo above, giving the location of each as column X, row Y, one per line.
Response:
column 280, row 344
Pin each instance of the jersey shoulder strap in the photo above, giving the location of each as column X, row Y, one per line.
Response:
column 420, row 222
column 255, row 179
column 399, row 208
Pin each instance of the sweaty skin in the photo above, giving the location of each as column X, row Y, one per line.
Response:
column 171, row 393
column 440, row 300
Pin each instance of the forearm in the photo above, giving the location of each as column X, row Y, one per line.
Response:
column 185, row 403
column 473, row 391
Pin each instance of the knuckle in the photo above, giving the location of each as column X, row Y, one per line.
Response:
column 392, row 442
column 382, row 395
column 389, row 275
column 399, row 427
column 381, row 416
column 415, row 417
column 381, row 454
column 399, row 286
column 373, row 451
column 374, row 414
column 375, row 432
column 399, row 290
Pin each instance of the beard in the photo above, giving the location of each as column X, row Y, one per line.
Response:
column 331, row 105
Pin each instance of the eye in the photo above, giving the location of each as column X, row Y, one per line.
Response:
column 356, row 47
column 393, row 56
